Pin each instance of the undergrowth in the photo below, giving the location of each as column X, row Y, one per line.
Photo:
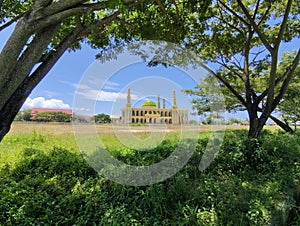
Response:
column 250, row 182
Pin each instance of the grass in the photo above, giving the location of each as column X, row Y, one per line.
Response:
column 45, row 181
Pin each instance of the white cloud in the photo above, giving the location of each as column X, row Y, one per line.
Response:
column 104, row 95
column 106, row 85
column 41, row 102
column 69, row 83
column 111, row 86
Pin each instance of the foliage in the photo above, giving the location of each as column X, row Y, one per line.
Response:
column 51, row 117
column 44, row 30
column 24, row 115
column 251, row 182
column 290, row 105
column 102, row 118
column 242, row 40
column 81, row 118
column 236, row 121
column 214, row 119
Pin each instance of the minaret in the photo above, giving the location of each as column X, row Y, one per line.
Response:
column 158, row 101
column 164, row 103
column 174, row 104
column 128, row 104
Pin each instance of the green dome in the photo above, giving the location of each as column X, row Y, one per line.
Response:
column 148, row 103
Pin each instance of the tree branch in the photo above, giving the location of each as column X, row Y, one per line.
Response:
column 127, row 24
column 55, row 18
column 10, row 53
column 234, row 92
column 283, row 24
column 61, row 5
column 265, row 15
column 256, row 28
column 230, row 69
column 246, row 67
column 164, row 10
column 256, row 55
column 16, row 100
column 283, row 125
column 176, row 7
column 38, row 4
column 11, row 21
column 230, row 25
column 1, row 2
column 104, row 21
column 233, row 12
column 256, row 9
column 28, row 59
column 278, row 80
column 289, row 71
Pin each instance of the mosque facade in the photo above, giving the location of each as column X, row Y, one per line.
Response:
column 153, row 113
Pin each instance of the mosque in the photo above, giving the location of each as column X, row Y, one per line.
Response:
column 151, row 112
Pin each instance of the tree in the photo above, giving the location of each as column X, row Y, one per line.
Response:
column 102, row 118
column 233, row 121
column 81, row 118
column 45, row 29
column 290, row 105
column 51, row 117
column 23, row 115
column 242, row 40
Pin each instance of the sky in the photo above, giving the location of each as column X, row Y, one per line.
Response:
column 80, row 82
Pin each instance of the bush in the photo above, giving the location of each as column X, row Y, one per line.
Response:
column 251, row 182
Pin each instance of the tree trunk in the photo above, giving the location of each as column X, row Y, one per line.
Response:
column 257, row 124
column 256, row 127
column 4, row 128
column 9, row 112
column 12, row 106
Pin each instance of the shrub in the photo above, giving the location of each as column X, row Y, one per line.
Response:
column 251, row 182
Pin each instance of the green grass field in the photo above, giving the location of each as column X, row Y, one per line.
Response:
column 44, row 180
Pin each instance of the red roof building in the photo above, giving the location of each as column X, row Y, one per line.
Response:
column 41, row 110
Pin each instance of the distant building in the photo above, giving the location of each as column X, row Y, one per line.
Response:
column 271, row 123
column 114, row 118
column 151, row 112
column 41, row 110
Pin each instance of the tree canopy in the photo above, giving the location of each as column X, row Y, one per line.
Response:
column 241, row 38
column 102, row 118
column 45, row 29
column 51, row 117
column 290, row 104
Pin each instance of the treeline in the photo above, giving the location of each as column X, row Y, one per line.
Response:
column 25, row 115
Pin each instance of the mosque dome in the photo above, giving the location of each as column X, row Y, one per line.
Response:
column 149, row 103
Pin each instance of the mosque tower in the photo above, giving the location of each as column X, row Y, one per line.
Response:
column 158, row 101
column 128, row 104
column 174, row 104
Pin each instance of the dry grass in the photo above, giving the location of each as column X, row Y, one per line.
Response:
column 67, row 129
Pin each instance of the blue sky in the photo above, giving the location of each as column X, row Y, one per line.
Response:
column 109, row 82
